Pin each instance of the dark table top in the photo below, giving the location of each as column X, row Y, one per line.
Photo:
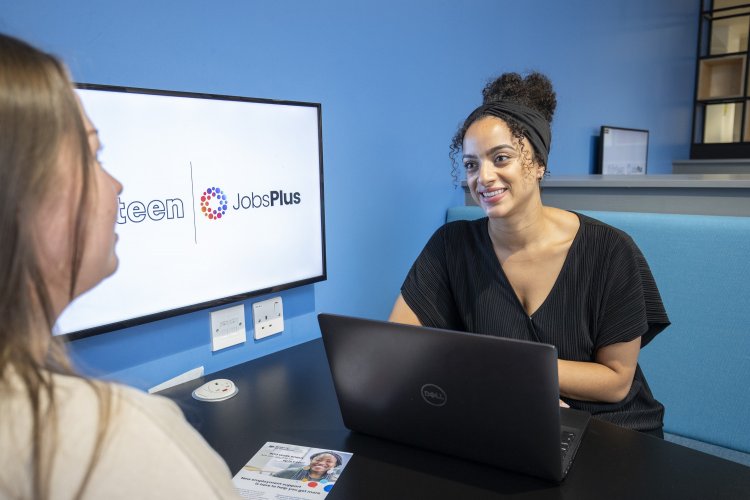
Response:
column 288, row 397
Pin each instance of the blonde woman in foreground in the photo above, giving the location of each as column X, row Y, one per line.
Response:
column 62, row 435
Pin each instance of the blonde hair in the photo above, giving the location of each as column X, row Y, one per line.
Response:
column 39, row 115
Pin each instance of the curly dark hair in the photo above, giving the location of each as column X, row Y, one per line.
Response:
column 534, row 91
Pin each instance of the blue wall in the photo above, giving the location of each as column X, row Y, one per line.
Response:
column 394, row 78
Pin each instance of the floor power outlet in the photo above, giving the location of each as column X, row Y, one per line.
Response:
column 268, row 317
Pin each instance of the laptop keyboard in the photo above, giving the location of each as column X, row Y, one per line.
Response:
column 566, row 438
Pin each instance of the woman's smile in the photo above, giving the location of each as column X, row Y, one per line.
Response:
column 490, row 197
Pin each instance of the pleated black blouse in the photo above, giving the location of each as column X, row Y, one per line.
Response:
column 605, row 294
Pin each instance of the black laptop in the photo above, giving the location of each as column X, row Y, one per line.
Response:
column 483, row 398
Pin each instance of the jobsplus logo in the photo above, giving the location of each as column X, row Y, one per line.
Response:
column 214, row 203
column 433, row 395
column 275, row 198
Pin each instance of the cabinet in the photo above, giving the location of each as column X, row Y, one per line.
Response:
column 721, row 118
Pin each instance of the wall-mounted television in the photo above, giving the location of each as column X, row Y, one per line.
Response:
column 222, row 200
column 623, row 151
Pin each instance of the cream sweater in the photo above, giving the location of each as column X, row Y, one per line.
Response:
column 150, row 450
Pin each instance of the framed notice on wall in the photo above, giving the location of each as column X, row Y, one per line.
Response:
column 623, row 151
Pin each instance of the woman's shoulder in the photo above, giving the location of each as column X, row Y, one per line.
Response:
column 463, row 228
column 135, row 445
column 153, row 407
column 75, row 394
column 445, row 237
column 459, row 239
column 146, row 442
column 600, row 232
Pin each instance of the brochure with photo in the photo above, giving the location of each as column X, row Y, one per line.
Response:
column 290, row 472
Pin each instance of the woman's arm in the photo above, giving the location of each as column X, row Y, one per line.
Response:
column 402, row 313
column 607, row 379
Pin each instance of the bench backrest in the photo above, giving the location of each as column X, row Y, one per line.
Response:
column 699, row 367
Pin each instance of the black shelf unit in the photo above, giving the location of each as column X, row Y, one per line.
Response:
column 721, row 114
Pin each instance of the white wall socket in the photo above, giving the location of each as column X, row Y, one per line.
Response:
column 228, row 327
column 268, row 317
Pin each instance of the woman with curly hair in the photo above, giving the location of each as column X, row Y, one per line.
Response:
column 534, row 272
column 62, row 435
column 323, row 468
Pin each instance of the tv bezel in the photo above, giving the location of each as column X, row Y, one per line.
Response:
column 149, row 318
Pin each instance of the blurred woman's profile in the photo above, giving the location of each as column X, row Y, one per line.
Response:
column 63, row 435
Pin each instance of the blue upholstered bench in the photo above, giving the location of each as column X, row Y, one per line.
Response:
column 699, row 367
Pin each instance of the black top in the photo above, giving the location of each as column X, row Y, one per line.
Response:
column 605, row 294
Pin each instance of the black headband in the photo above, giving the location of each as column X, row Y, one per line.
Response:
column 535, row 125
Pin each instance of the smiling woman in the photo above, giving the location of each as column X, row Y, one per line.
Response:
column 322, row 468
column 538, row 273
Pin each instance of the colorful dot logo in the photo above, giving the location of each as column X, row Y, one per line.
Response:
column 214, row 203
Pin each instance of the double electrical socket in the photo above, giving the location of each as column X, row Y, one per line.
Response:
column 268, row 317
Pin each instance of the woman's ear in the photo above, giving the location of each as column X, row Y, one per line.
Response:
column 540, row 169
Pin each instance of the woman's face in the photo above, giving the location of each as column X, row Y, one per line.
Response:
column 99, row 258
column 56, row 219
column 321, row 464
column 501, row 177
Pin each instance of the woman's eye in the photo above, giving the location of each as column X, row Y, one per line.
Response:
column 470, row 165
column 500, row 158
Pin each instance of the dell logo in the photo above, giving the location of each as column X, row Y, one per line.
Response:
column 433, row 395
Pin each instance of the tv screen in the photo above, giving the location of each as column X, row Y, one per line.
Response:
column 222, row 200
column 623, row 151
